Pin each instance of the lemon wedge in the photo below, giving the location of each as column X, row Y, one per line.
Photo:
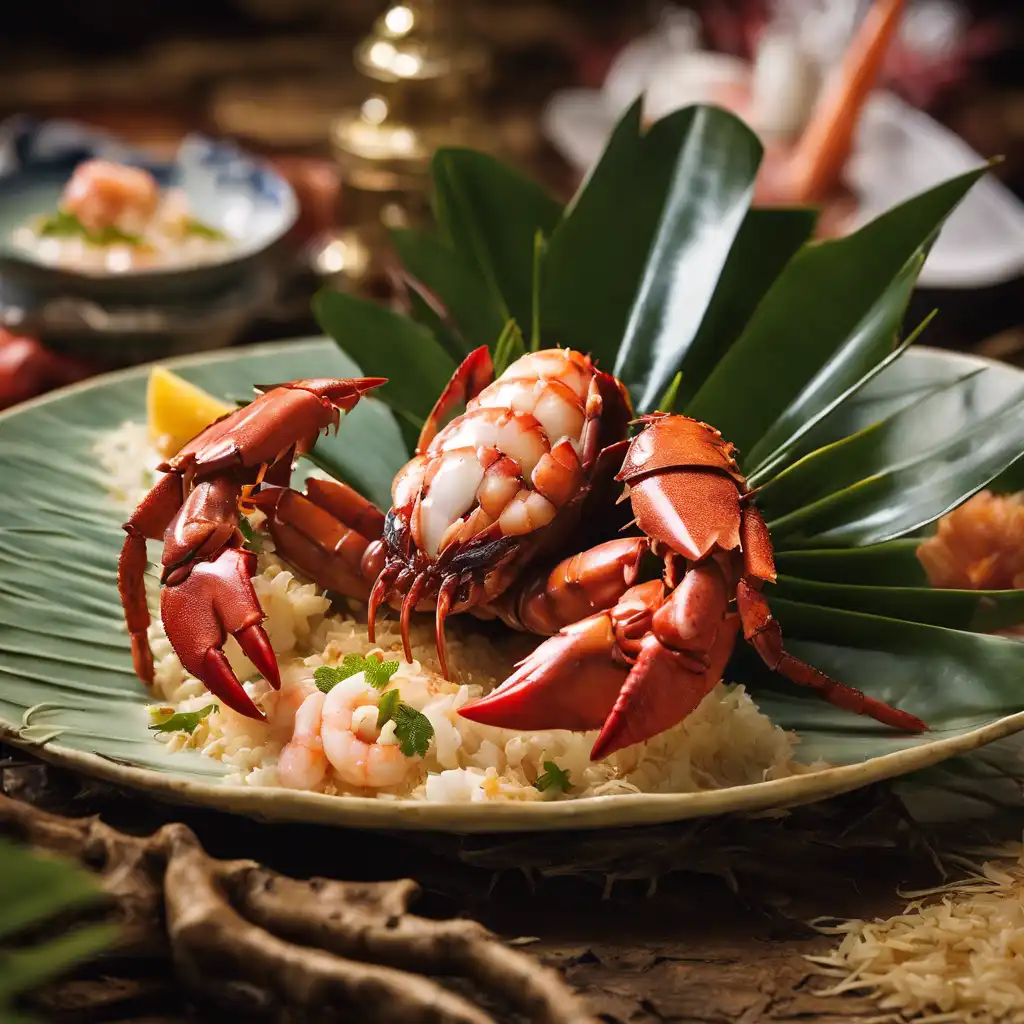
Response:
column 177, row 410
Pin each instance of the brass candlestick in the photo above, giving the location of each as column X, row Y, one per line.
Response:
column 424, row 76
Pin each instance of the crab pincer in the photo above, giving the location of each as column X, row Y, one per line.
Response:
column 217, row 598
column 196, row 508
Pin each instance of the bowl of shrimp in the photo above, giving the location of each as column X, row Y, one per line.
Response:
column 83, row 214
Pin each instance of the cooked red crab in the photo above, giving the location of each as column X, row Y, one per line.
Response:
column 496, row 515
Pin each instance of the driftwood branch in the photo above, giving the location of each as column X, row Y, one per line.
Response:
column 242, row 935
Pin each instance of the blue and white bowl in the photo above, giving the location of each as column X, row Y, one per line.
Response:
column 227, row 189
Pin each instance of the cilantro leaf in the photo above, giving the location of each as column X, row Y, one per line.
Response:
column 252, row 542
column 326, row 678
column 66, row 225
column 389, row 703
column 377, row 673
column 165, row 720
column 412, row 730
column 553, row 778
column 201, row 230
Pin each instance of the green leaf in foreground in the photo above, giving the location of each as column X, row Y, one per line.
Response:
column 33, row 890
column 166, row 720
column 377, row 672
column 412, row 730
column 553, row 778
column 976, row 610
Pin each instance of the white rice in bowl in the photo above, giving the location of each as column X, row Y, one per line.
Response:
column 727, row 741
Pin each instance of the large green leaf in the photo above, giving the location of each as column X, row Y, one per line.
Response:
column 707, row 201
column 491, row 214
column 947, row 677
column 385, row 344
column 891, row 479
column 767, row 241
column 33, row 891
column 822, row 295
column 916, row 427
column 853, row 365
column 641, row 164
column 478, row 317
column 979, row 610
column 892, row 564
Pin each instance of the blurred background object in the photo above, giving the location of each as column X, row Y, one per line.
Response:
column 347, row 100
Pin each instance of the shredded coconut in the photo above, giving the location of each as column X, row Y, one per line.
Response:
column 956, row 953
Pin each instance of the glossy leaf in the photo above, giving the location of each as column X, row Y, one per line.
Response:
column 767, row 240
column 490, row 213
column 898, row 495
column 920, row 425
column 385, row 344
column 456, row 283
column 950, row 678
column 892, row 564
column 707, row 200
column 824, row 292
column 636, row 163
column 854, row 363
column 982, row 611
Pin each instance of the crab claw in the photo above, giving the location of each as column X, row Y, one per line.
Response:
column 570, row 682
column 663, row 688
column 214, row 599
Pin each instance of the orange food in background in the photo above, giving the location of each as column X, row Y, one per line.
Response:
column 979, row 546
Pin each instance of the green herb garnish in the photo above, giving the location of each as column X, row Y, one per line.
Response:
column 387, row 707
column 66, row 225
column 378, row 673
column 554, row 778
column 165, row 720
column 201, row 230
column 412, row 730
column 252, row 542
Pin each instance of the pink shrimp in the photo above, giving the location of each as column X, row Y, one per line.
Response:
column 102, row 194
column 340, row 731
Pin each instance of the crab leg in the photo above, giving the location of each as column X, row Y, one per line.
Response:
column 473, row 374
column 569, row 682
column 762, row 630
column 148, row 521
column 208, row 593
column 315, row 532
column 588, row 582
column 680, row 661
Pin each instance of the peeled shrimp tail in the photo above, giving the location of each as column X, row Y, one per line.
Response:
column 303, row 764
column 351, row 739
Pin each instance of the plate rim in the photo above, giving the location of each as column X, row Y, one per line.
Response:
column 600, row 812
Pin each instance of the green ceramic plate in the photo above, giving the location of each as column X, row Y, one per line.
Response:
column 68, row 692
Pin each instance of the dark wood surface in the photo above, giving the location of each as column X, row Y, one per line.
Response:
column 715, row 929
